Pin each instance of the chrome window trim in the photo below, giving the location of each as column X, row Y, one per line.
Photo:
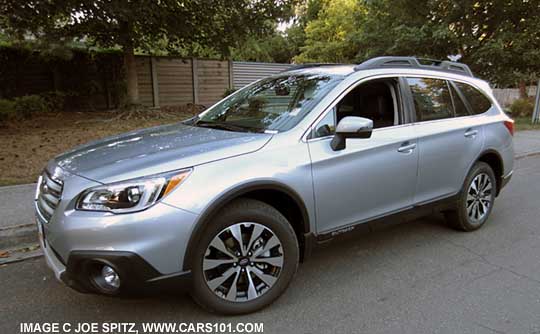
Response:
column 448, row 82
column 450, row 119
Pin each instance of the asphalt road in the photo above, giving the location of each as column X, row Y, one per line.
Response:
column 417, row 277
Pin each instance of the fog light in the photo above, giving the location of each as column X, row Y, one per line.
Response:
column 110, row 277
column 104, row 278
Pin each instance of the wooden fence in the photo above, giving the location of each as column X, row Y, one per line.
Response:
column 172, row 81
column 507, row 96
column 167, row 81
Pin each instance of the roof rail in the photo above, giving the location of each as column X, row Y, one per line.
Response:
column 308, row 65
column 413, row 62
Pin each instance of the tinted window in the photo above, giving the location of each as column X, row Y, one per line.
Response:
column 478, row 102
column 431, row 98
column 459, row 107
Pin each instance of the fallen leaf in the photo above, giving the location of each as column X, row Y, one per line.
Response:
column 4, row 254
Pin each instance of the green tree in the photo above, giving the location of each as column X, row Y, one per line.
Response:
column 499, row 39
column 329, row 36
column 132, row 24
column 401, row 27
column 280, row 46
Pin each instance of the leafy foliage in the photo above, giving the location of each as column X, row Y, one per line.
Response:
column 276, row 48
column 22, row 107
column 522, row 108
column 500, row 40
column 218, row 23
column 329, row 37
column 7, row 110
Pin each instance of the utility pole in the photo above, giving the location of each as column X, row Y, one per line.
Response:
column 536, row 112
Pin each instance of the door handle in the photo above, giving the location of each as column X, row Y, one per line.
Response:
column 406, row 148
column 471, row 133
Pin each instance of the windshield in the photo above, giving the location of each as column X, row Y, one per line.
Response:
column 276, row 103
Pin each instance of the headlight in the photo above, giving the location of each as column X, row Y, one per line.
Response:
column 132, row 195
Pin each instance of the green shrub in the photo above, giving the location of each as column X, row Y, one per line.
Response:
column 54, row 101
column 28, row 105
column 522, row 108
column 7, row 110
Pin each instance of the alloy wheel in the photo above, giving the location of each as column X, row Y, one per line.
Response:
column 243, row 261
column 479, row 197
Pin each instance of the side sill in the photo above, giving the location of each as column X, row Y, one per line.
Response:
column 399, row 217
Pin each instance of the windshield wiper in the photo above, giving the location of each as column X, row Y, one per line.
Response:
column 226, row 126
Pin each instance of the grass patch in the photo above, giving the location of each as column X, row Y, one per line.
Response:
column 524, row 123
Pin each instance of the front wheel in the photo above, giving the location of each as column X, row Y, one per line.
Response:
column 245, row 259
column 476, row 199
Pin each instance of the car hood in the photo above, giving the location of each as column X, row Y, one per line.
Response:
column 155, row 150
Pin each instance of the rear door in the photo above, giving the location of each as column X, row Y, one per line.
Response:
column 447, row 145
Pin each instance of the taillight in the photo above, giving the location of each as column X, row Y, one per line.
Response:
column 510, row 126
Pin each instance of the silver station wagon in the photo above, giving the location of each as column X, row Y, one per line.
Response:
column 228, row 203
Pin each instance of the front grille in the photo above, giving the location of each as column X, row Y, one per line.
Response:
column 49, row 193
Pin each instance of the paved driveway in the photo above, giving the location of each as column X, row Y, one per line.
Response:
column 417, row 277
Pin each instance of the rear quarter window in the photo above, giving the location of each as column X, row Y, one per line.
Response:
column 478, row 102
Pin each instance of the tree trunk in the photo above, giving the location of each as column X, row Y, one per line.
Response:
column 131, row 75
column 523, row 89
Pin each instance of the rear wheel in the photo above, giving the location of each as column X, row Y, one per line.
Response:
column 476, row 199
column 245, row 259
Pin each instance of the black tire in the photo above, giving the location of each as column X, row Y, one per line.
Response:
column 253, row 211
column 459, row 217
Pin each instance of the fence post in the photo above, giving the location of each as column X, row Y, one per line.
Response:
column 195, row 80
column 231, row 75
column 155, row 87
column 536, row 112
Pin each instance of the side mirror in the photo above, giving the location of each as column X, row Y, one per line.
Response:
column 351, row 127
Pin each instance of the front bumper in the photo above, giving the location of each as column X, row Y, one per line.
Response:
column 136, row 275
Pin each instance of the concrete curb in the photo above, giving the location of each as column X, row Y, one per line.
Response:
column 15, row 186
column 14, row 236
column 21, row 253
column 526, row 155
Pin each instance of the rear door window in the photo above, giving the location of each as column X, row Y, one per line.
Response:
column 431, row 98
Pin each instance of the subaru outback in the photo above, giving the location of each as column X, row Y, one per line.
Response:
column 229, row 202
